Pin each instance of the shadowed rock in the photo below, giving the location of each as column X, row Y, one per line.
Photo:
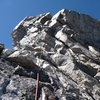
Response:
column 1, row 47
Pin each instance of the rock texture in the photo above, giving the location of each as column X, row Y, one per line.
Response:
column 64, row 49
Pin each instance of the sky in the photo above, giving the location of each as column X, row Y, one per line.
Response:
column 13, row 11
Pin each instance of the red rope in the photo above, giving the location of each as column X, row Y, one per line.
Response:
column 37, row 85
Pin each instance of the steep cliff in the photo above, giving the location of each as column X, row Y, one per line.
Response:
column 64, row 49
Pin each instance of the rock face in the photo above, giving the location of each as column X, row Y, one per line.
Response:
column 1, row 48
column 63, row 49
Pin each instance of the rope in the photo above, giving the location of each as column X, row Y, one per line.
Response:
column 37, row 86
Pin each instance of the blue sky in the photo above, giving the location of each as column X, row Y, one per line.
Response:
column 13, row 11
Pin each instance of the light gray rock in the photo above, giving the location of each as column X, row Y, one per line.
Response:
column 7, row 52
column 61, row 36
column 64, row 49
column 94, row 51
column 24, row 58
column 84, row 25
column 97, row 76
column 54, row 24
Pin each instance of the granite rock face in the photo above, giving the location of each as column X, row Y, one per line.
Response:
column 64, row 49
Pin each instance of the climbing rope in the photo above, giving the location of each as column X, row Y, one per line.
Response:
column 37, row 86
